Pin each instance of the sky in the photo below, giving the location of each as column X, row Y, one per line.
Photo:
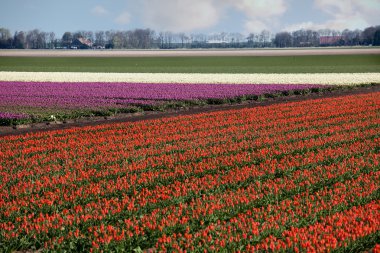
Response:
column 189, row 16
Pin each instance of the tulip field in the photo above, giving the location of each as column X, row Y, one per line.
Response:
column 43, row 88
column 42, row 96
column 289, row 163
column 292, row 177
column 48, row 97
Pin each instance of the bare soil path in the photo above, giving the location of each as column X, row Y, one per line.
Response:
column 192, row 52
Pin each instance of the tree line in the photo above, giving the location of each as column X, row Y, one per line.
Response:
column 149, row 39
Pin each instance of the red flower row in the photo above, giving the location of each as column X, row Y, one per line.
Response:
column 252, row 179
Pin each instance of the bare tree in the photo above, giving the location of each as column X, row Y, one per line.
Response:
column 168, row 38
column 31, row 39
column 4, row 34
column 51, row 36
column 5, row 38
column 119, row 39
column 283, row 39
column 376, row 39
column 182, row 37
column 100, row 39
column 67, row 39
column 89, row 35
column 368, row 35
column 250, row 39
column 19, row 40
column 78, row 34
column 147, row 38
column 42, row 40
column 160, row 39
column 264, row 38
column 351, row 38
column 325, row 32
column 140, row 38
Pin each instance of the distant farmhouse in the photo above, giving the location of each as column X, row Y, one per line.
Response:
column 81, row 43
column 331, row 40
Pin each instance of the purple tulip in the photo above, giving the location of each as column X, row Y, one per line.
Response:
column 60, row 95
column 9, row 115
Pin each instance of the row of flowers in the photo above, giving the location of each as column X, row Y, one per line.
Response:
column 113, row 95
column 8, row 118
column 223, row 78
column 297, row 176
column 44, row 101
column 8, row 115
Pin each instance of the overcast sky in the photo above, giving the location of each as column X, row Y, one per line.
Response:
column 205, row 16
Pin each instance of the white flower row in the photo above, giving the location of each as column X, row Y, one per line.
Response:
column 314, row 78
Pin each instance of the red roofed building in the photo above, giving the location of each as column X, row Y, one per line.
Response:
column 81, row 43
column 330, row 40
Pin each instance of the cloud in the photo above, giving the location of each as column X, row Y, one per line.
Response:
column 351, row 14
column 300, row 26
column 124, row 18
column 180, row 16
column 190, row 15
column 255, row 26
column 99, row 11
column 260, row 14
column 261, row 9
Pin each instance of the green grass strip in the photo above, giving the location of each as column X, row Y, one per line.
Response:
column 216, row 64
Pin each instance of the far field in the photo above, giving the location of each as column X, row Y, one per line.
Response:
column 197, row 64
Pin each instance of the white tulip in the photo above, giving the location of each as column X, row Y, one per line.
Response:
column 308, row 78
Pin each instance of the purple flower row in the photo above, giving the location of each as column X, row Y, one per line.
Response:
column 111, row 95
column 9, row 115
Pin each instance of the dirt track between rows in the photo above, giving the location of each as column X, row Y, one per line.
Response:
column 182, row 53
column 82, row 122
